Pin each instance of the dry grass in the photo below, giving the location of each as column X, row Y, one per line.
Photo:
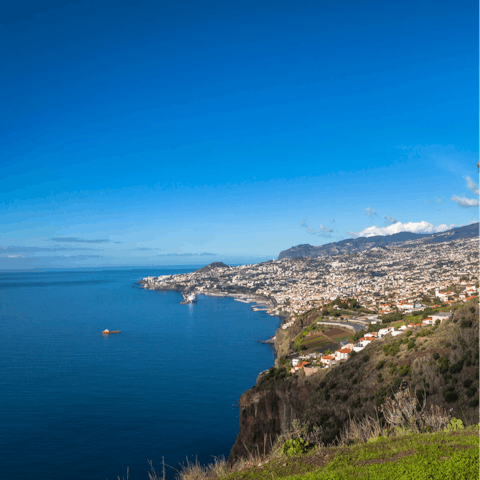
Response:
column 403, row 414
column 404, row 411
column 193, row 470
column 361, row 430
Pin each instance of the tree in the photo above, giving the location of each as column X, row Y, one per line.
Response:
column 358, row 335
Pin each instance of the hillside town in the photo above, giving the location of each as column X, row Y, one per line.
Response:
column 311, row 362
column 401, row 277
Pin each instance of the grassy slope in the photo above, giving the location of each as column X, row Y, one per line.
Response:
column 414, row 456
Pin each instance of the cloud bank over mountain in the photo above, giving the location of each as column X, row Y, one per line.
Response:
column 398, row 227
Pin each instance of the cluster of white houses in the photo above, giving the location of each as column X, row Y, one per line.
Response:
column 380, row 279
column 345, row 352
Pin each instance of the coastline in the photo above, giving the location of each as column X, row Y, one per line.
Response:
column 259, row 303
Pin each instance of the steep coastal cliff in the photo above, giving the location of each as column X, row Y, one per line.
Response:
column 439, row 363
column 266, row 412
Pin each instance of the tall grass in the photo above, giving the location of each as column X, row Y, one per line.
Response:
column 403, row 413
column 192, row 470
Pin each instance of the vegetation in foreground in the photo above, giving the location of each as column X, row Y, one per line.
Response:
column 411, row 441
column 451, row 455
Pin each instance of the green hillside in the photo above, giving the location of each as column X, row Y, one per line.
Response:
column 448, row 456
column 439, row 363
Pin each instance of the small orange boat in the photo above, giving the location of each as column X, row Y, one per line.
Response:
column 108, row 332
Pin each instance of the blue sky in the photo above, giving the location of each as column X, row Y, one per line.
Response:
column 150, row 133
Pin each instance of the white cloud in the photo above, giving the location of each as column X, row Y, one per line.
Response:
column 472, row 185
column 321, row 232
column 370, row 212
column 414, row 227
column 465, row 202
column 389, row 219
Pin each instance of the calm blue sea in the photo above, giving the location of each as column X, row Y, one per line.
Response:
column 75, row 404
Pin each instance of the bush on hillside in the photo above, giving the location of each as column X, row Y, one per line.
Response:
column 295, row 446
column 449, row 394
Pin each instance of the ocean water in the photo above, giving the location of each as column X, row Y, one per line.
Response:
column 76, row 404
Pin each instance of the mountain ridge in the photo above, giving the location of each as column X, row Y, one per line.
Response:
column 352, row 245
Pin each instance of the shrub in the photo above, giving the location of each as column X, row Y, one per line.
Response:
column 358, row 335
column 391, row 349
column 380, row 364
column 379, row 378
column 380, row 396
column 447, row 377
column 366, row 358
column 404, row 370
column 471, row 390
column 467, row 382
column 443, row 364
column 421, row 394
column 473, row 402
column 411, row 344
column 409, row 333
column 357, row 403
column 449, row 394
column 455, row 425
column 395, row 385
column 465, row 324
column 456, row 368
column 295, row 446
column 274, row 375
column 436, row 356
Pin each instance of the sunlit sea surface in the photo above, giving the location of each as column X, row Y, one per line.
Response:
column 79, row 405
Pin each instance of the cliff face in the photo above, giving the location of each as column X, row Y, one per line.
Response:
column 266, row 413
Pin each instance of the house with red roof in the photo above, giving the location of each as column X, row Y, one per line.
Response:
column 328, row 360
column 343, row 354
